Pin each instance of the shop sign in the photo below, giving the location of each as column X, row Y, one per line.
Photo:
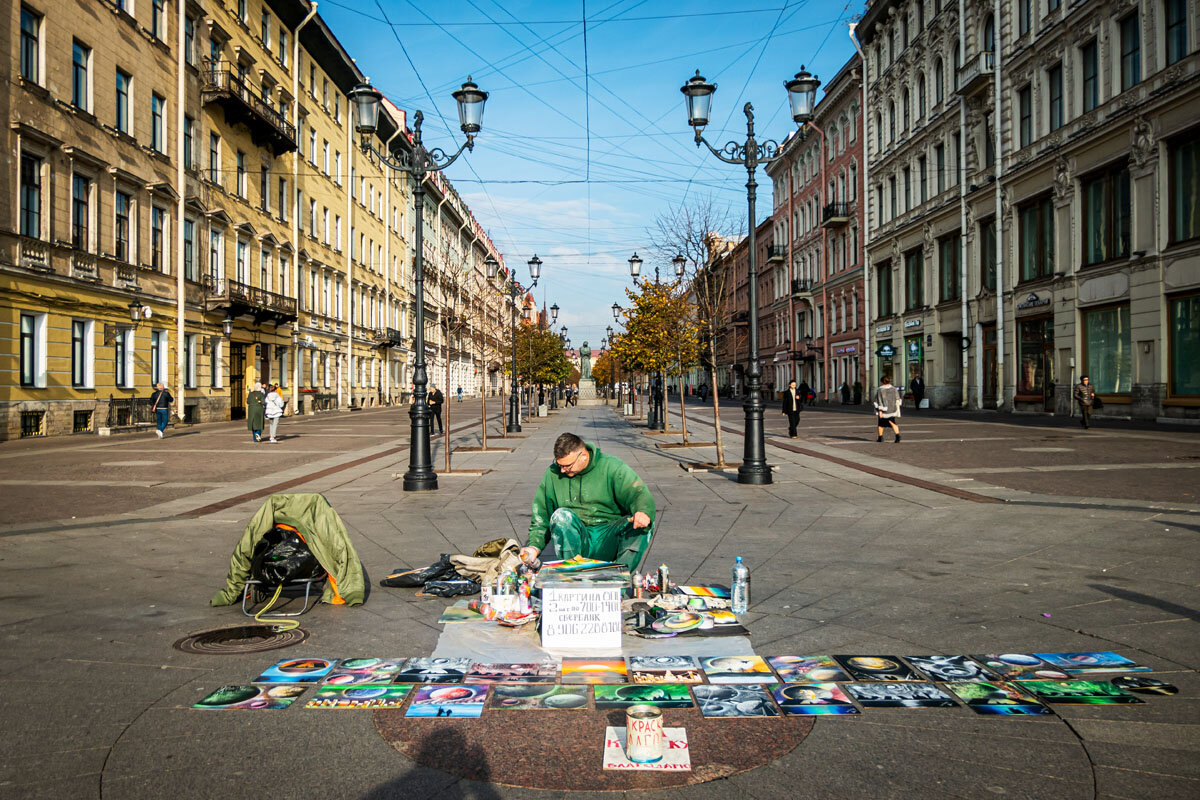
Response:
column 886, row 350
column 884, row 329
column 846, row 349
column 912, row 323
column 1033, row 301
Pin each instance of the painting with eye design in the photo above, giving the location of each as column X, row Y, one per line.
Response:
column 899, row 695
column 809, row 699
column 877, row 668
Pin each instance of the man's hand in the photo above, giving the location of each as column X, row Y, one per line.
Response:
column 640, row 519
column 529, row 555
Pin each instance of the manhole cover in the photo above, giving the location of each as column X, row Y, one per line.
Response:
column 242, row 639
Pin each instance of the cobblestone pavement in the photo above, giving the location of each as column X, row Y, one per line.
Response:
column 855, row 547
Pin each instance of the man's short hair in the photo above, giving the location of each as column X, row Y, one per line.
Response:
column 566, row 444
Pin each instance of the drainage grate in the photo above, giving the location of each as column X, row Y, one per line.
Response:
column 242, row 639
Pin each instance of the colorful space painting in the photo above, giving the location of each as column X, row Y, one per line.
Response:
column 909, row 694
column 715, row 590
column 1094, row 693
column 593, row 670
column 297, row 670
column 812, row 699
column 1020, row 667
column 530, row 696
column 366, row 696
column 734, row 701
column 995, row 697
column 951, row 668
column 447, row 700
column 250, row 698
column 807, row 669
column 737, row 669
column 664, row 669
column 663, row 695
column 354, row 671
column 434, row 670
column 877, row 668
column 544, row 672
column 1091, row 663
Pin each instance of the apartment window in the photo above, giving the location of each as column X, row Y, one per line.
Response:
column 214, row 158
column 158, row 356
column 264, row 188
column 914, row 279
column 214, row 49
column 987, row 254
column 907, row 189
column 216, row 249
column 883, row 289
column 1107, row 355
column 325, row 156
column 1183, row 346
column 81, row 89
column 264, row 269
column 214, row 364
column 33, row 350
column 312, row 218
column 337, row 228
column 158, row 19
column 31, row 196
column 921, row 95
column 1052, row 5
column 283, row 47
column 1090, row 65
column 123, row 359
column 958, row 157
column 948, row 267
column 891, row 122
column 1131, row 51
column 242, row 266
column 337, row 168
column 923, row 178
column 312, row 147
column 189, row 249
column 939, row 82
column 240, row 184
column 325, row 94
column 893, row 194
column 1106, row 215
column 1037, row 239
column 989, row 142
column 31, row 45
column 157, row 237
column 266, row 29
column 189, row 40
column 81, row 194
column 325, row 225
column 939, row 160
column 189, row 143
column 1054, row 79
column 1024, row 13
column 1176, row 24
column 189, row 361
column 124, row 82
column 312, row 81
column 157, row 134
column 283, row 199
column 1025, row 113
column 904, row 102
column 1183, row 178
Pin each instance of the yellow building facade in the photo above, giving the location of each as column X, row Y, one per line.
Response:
column 186, row 201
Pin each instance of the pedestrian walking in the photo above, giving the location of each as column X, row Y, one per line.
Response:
column 1085, row 395
column 804, row 393
column 887, row 407
column 917, row 387
column 791, row 408
column 845, row 392
column 273, row 406
column 436, row 398
column 460, row 394
column 161, row 401
column 255, row 411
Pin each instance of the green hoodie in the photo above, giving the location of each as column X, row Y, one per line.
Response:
column 605, row 491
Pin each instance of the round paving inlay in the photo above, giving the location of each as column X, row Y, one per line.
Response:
column 563, row 749
column 240, row 639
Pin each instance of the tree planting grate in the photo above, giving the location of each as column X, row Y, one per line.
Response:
column 242, row 639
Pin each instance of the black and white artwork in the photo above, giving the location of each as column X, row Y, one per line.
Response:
column 434, row 670
column 951, row 668
column 899, row 695
column 734, row 701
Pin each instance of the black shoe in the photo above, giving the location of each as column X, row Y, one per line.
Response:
column 897, row 438
column 880, row 439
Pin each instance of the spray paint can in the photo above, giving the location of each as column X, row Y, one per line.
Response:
column 664, row 579
column 643, row 734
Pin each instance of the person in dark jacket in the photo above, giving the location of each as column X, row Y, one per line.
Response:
column 917, row 387
column 161, row 401
column 1085, row 395
column 792, row 404
column 255, row 411
column 436, row 398
column 803, row 392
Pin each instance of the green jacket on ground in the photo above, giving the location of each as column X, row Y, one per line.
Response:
column 607, row 490
column 324, row 533
column 254, row 410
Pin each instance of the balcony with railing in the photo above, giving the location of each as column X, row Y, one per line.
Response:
column 388, row 337
column 238, row 299
column 223, row 86
column 776, row 252
column 835, row 214
column 801, row 287
column 975, row 75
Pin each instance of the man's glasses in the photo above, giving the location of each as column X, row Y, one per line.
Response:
column 570, row 467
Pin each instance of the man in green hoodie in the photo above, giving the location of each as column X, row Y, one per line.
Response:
column 590, row 504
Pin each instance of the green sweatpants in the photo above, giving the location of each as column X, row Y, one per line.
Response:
column 615, row 541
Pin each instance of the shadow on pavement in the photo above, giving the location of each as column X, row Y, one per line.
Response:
column 1148, row 600
column 437, row 748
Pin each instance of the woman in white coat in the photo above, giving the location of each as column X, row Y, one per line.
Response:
column 887, row 407
column 273, row 407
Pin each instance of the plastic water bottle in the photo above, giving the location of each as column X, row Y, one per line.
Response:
column 740, row 594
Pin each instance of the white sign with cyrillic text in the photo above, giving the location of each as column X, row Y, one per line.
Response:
column 581, row 617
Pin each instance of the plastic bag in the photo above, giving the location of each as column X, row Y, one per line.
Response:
column 450, row 588
column 281, row 556
column 415, row 578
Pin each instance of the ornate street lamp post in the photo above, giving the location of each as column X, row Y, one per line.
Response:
column 802, row 92
column 535, row 271
column 418, row 163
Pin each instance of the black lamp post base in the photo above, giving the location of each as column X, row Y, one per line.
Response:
column 420, row 482
column 754, row 475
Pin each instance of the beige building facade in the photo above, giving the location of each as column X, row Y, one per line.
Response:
column 186, row 201
column 1032, row 202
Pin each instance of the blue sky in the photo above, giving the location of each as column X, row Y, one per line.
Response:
column 582, row 146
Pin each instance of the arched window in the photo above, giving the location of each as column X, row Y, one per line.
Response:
column 841, row 193
column 989, row 35
column 939, row 82
column 853, row 184
column 904, row 109
column 955, row 66
column 921, row 95
column 891, row 121
column 878, row 131
column 853, row 122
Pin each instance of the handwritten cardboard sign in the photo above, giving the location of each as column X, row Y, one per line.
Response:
column 676, row 755
column 581, row 617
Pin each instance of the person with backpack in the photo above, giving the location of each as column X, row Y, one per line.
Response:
column 887, row 407
column 436, row 398
column 273, row 407
column 161, row 401
column 255, row 411
column 460, row 393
